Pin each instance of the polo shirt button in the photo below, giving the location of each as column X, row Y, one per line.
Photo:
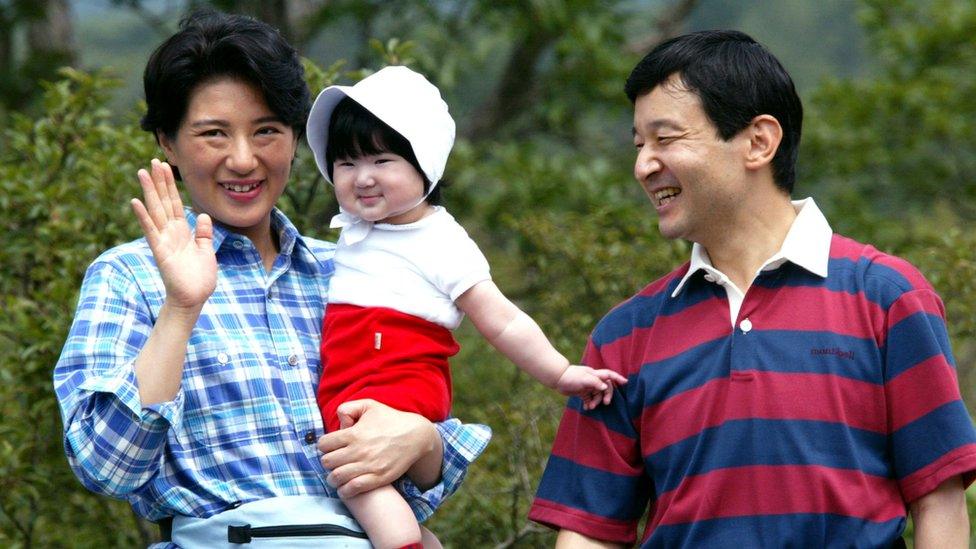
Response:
column 310, row 437
column 710, row 278
column 293, row 360
column 745, row 325
column 223, row 358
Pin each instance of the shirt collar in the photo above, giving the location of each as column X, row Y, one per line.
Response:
column 288, row 235
column 807, row 244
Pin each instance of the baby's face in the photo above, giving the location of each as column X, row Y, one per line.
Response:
column 382, row 187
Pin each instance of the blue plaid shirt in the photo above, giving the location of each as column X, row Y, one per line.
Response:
column 244, row 423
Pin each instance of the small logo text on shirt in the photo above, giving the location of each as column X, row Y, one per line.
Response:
column 833, row 351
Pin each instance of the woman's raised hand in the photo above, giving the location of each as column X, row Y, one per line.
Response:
column 185, row 258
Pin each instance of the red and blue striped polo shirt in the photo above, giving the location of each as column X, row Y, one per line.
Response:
column 812, row 425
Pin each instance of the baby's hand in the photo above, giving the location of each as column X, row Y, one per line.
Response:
column 593, row 386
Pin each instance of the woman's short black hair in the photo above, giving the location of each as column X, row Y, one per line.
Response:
column 736, row 79
column 212, row 45
column 355, row 132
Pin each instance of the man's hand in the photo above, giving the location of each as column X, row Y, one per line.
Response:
column 593, row 386
column 377, row 445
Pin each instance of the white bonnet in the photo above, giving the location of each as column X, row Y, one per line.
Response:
column 405, row 101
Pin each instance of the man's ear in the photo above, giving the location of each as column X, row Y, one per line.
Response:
column 765, row 134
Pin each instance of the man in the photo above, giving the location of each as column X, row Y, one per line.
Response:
column 788, row 387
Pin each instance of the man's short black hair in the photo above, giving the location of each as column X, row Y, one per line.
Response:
column 211, row 45
column 736, row 79
column 355, row 132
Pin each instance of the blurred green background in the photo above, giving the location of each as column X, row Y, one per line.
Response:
column 541, row 178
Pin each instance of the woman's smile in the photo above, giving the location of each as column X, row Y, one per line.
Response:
column 243, row 190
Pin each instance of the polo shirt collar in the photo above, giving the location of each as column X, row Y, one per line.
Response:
column 807, row 245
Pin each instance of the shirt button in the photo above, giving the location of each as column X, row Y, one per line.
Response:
column 745, row 325
column 293, row 360
column 238, row 244
column 223, row 358
column 310, row 437
column 710, row 278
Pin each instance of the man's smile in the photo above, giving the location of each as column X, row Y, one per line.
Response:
column 665, row 195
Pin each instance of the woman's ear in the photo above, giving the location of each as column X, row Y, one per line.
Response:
column 167, row 144
column 765, row 135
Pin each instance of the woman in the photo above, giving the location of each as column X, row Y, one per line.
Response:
column 187, row 383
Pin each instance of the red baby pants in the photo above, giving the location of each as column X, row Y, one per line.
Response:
column 386, row 355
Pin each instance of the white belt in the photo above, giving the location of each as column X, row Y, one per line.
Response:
column 282, row 511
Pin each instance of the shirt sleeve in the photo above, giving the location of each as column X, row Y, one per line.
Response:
column 463, row 443
column 594, row 482
column 931, row 433
column 113, row 444
column 460, row 264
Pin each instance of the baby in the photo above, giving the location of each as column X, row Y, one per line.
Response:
column 406, row 273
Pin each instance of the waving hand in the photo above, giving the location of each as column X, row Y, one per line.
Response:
column 185, row 258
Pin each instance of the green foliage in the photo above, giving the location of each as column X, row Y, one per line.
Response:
column 64, row 182
column 905, row 138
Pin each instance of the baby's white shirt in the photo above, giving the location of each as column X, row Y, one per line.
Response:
column 418, row 268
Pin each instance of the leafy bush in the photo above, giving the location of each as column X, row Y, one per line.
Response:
column 64, row 183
